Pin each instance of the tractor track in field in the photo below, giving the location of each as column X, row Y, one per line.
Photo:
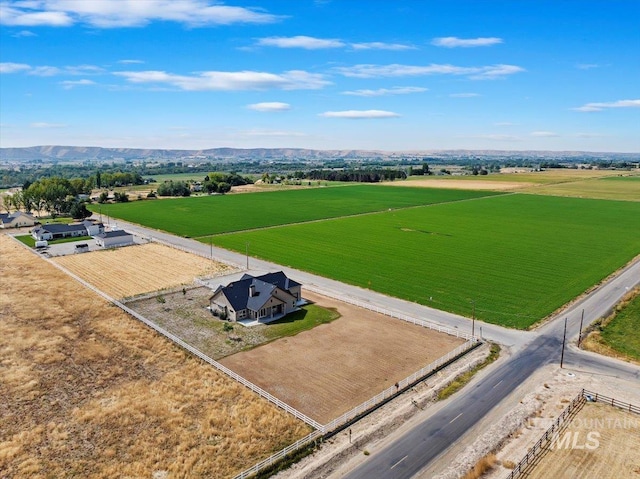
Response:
column 355, row 215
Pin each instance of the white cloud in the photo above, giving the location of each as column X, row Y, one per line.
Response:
column 228, row 81
column 606, row 105
column 69, row 84
column 45, row 71
column 360, row 114
column 587, row 66
column 396, row 70
column 381, row 46
column 33, row 14
column 269, row 106
column 130, row 62
column 396, row 90
column 301, row 41
column 8, row 67
column 453, row 42
column 544, row 134
column 24, row 34
column 464, row 95
column 42, row 124
column 128, row 13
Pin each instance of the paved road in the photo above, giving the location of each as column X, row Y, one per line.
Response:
column 531, row 350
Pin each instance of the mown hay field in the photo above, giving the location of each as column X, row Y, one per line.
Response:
column 612, row 440
column 88, row 391
column 626, row 188
column 207, row 215
column 518, row 257
column 130, row 271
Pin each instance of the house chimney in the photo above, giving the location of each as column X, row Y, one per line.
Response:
column 252, row 290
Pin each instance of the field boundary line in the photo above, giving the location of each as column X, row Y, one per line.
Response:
column 403, row 317
column 281, row 404
column 356, row 215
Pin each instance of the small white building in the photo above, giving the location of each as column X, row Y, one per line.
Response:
column 110, row 239
column 93, row 228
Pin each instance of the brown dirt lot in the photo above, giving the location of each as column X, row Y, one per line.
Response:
column 617, row 455
column 87, row 391
column 133, row 270
column 331, row 369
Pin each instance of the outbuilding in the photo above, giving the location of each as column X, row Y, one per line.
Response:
column 110, row 239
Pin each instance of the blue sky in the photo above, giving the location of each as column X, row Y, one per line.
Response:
column 328, row 74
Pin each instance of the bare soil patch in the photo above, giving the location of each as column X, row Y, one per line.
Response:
column 186, row 316
column 133, row 270
column 607, row 446
column 480, row 185
column 88, row 391
column 331, row 369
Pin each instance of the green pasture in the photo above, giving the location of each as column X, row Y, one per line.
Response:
column 623, row 333
column 517, row 257
column 207, row 215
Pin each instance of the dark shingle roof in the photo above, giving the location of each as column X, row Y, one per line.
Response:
column 237, row 293
column 55, row 228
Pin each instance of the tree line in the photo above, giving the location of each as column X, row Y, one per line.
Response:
column 361, row 176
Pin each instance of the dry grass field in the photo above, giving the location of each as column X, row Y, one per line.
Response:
column 331, row 369
column 87, row 391
column 617, row 455
column 125, row 272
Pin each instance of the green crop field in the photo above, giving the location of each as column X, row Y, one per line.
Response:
column 518, row 257
column 622, row 333
column 207, row 215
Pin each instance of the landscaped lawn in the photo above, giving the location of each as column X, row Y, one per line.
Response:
column 207, row 215
column 518, row 257
column 29, row 241
column 306, row 318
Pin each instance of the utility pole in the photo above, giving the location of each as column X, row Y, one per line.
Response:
column 580, row 335
column 473, row 319
column 564, row 338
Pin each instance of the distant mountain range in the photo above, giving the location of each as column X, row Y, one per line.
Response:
column 82, row 153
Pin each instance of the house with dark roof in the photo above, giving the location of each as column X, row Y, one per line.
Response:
column 57, row 231
column 262, row 298
column 17, row 219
